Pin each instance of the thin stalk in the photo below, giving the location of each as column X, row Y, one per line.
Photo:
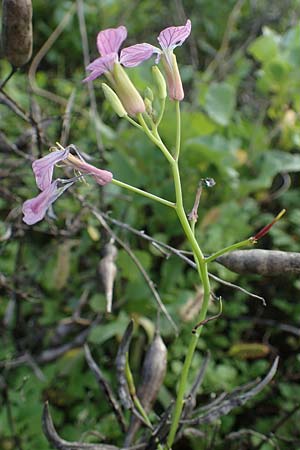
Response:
column 157, row 141
column 199, row 259
column 133, row 122
column 132, row 390
column 203, row 274
column 143, row 193
column 182, row 216
column 161, row 114
column 230, row 248
column 178, row 130
column 189, row 356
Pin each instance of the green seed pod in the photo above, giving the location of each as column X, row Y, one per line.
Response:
column 263, row 262
column 17, row 31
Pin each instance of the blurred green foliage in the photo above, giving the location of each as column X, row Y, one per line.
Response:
column 241, row 126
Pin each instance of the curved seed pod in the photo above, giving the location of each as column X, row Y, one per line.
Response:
column 108, row 271
column 17, row 31
column 263, row 262
column 153, row 373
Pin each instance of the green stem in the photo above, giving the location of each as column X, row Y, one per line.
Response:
column 230, row 248
column 182, row 215
column 132, row 391
column 189, row 357
column 178, row 130
column 143, row 193
column 203, row 274
column 156, row 140
column 199, row 259
column 161, row 114
column 133, row 122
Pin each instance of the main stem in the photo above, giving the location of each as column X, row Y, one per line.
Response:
column 203, row 273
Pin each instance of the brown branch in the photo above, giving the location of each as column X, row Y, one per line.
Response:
column 105, row 386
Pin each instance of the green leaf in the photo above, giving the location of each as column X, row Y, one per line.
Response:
column 102, row 333
column 264, row 48
column 220, row 102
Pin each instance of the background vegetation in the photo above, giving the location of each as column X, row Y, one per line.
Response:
column 241, row 126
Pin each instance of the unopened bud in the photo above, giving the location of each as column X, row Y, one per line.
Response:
column 148, row 105
column 173, row 78
column 126, row 91
column 114, row 100
column 149, row 94
column 160, row 81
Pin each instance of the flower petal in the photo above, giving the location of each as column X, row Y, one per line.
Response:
column 101, row 65
column 110, row 40
column 35, row 209
column 43, row 167
column 171, row 37
column 135, row 54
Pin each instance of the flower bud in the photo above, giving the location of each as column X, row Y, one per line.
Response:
column 114, row 100
column 148, row 105
column 160, row 81
column 126, row 91
column 149, row 94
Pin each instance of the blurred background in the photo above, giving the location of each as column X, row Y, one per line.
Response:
column 241, row 126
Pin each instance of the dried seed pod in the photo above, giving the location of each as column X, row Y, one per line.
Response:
column 108, row 271
column 263, row 262
column 153, row 373
column 17, row 31
column 123, row 391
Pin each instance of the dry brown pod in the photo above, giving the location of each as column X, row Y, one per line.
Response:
column 263, row 262
column 17, row 31
column 108, row 272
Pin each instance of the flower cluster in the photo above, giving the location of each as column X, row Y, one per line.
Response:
column 110, row 63
column 35, row 209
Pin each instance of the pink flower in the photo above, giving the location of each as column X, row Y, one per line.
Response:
column 43, row 168
column 101, row 176
column 169, row 39
column 35, row 209
column 109, row 42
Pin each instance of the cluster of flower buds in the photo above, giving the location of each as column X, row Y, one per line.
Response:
column 122, row 94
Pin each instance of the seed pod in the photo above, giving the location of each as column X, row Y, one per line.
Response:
column 108, row 271
column 263, row 262
column 123, row 391
column 153, row 373
column 17, row 31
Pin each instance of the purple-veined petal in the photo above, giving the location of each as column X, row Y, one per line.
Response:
column 100, row 66
column 101, row 176
column 43, row 167
column 172, row 37
column 110, row 40
column 35, row 209
column 135, row 54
